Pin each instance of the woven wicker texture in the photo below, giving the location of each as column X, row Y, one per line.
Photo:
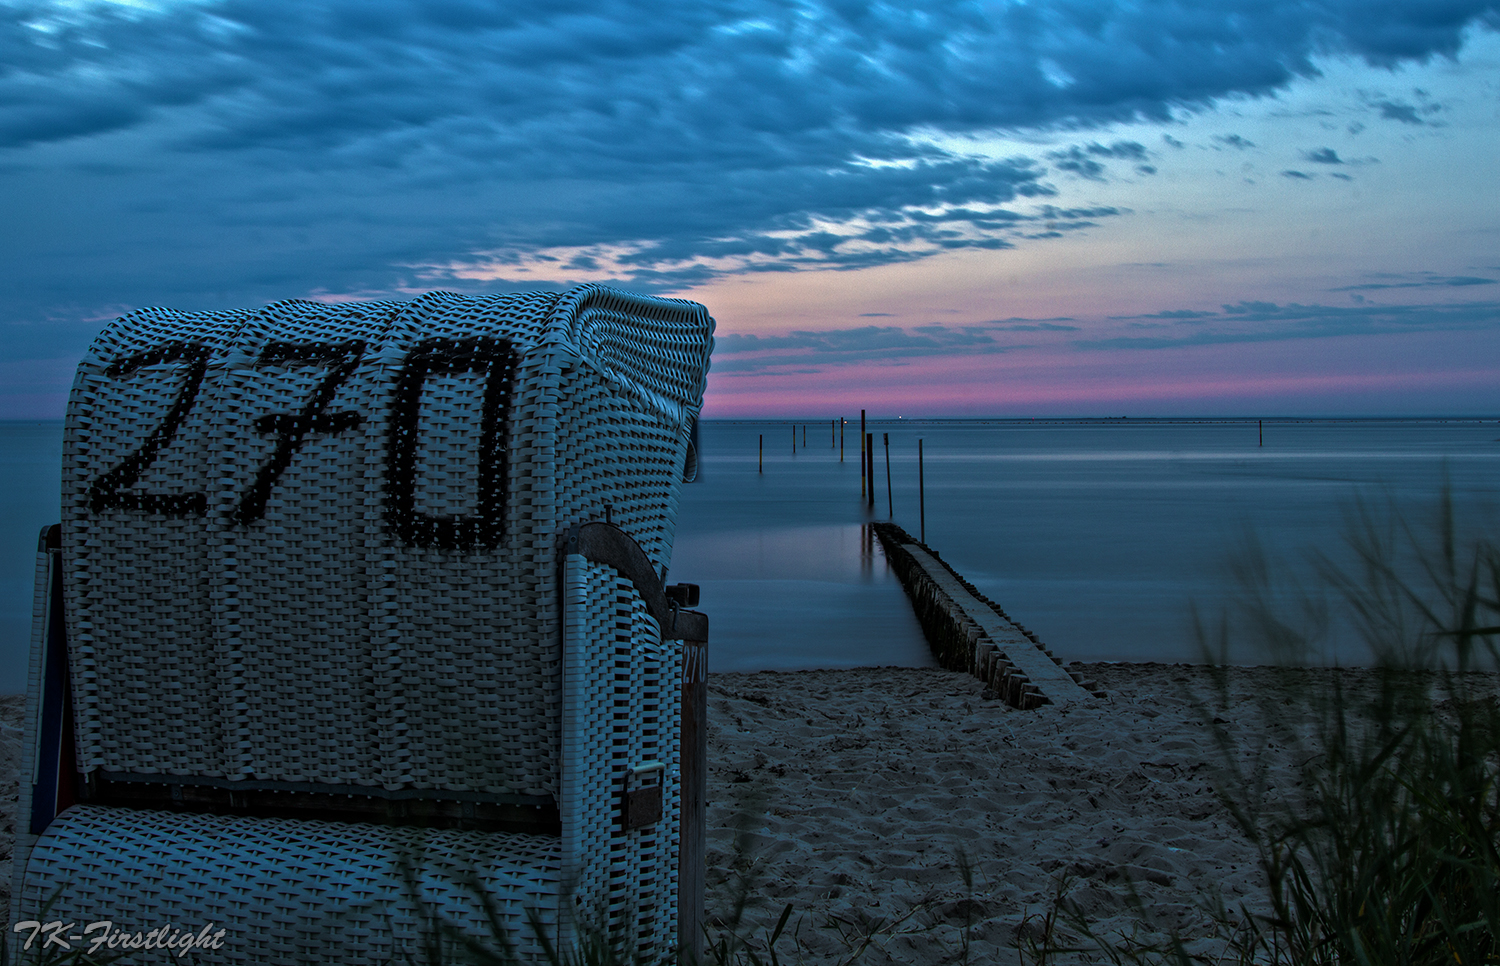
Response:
column 623, row 692
column 298, row 892
column 289, row 893
column 318, row 542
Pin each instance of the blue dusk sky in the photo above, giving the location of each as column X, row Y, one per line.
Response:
column 1016, row 207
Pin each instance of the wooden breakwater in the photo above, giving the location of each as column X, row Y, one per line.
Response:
column 969, row 632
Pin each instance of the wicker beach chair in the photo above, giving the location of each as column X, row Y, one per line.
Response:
column 355, row 634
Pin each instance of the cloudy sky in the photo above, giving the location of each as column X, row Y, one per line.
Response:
column 1106, row 207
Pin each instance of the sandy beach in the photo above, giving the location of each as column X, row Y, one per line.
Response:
column 857, row 795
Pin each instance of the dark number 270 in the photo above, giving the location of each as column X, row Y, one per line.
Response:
column 495, row 359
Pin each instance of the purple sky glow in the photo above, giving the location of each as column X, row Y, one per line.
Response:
column 1075, row 207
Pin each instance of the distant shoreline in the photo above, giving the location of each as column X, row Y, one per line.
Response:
column 1025, row 420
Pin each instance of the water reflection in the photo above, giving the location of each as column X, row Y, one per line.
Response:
column 800, row 597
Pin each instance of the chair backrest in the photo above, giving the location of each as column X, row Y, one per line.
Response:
column 315, row 546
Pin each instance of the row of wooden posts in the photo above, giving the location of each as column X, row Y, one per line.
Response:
column 866, row 465
column 836, row 431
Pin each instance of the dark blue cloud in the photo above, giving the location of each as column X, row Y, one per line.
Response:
column 276, row 71
column 233, row 151
column 1079, row 159
column 1248, row 320
column 1394, row 109
column 1417, row 280
column 1261, row 310
column 1173, row 315
column 1404, row 113
column 866, row 338
column 737, row 353
column 1322, row 156
column 1124, row 150
column 1036, row 326
column 1258, row 321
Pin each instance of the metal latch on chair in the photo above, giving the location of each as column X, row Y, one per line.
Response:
column 641, row 803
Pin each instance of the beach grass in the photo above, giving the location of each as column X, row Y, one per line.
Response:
column 1385, row 849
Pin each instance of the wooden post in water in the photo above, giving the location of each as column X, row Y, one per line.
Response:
column 921, row 493
column 794, row 439
column 862, row 460
column 842, row 423
column 890, row 504
column 804, row 436
column 833, row 434
column 760, row 459
column 1260, row 425
column 870, row 462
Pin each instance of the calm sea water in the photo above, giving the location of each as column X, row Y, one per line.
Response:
column 1098, row 535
